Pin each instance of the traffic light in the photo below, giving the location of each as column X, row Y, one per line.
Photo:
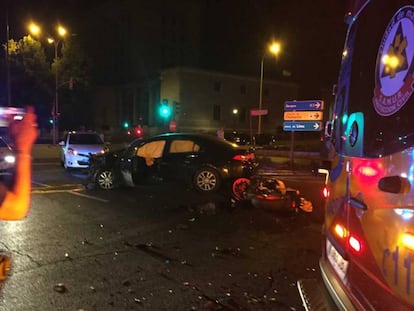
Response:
column 50, row 120
column 126, row 124
column 164, row 111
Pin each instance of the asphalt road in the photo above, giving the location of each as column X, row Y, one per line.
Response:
column 158, row 247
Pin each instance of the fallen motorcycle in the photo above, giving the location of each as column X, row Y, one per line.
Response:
column 267, row 191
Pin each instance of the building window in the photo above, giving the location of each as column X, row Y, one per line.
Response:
column 217, row 86
column 243, row 89
column 216, row 113
column 242, row 115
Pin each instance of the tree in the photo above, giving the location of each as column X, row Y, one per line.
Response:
column 30, row 75
column 73, row 64
column 74, row 78
column 33, row 80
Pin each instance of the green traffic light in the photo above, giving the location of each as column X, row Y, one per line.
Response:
column 126, row 124
column 165, row 111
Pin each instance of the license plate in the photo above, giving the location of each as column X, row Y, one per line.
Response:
column 339, row 264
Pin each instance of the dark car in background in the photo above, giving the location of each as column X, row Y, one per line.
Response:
column 204, row 161
column 264, row 140
column 239, row 138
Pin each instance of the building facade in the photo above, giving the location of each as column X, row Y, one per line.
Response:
column 199, row 100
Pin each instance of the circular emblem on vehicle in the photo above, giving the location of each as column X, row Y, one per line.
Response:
column 394, row 66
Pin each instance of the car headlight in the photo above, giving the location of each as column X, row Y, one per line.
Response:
column 10, row 159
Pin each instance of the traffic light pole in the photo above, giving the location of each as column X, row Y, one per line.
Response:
column 56, row 107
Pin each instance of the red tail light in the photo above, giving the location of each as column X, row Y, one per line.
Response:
column 244, row 157
column 325, row 192
column 353, row 241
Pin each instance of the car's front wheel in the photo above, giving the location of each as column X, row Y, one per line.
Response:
column 207, row 180
column 65, row 165
column 105, row 179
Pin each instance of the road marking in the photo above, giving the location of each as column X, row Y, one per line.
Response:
column 41, row 184
column 75, row 192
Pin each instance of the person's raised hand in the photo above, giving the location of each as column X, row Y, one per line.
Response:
column 24, row 132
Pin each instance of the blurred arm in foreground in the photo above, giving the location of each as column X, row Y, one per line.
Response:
column 15, row 200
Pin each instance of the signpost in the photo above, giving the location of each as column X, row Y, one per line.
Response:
column 255, row 113
column 258, row 112
column 304, row 105
column 302, row 116
column 302, row 126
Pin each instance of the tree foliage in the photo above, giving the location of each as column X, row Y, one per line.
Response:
column 33, row 77
column 30, row 73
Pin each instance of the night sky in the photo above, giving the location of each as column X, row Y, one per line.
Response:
column 235, row 33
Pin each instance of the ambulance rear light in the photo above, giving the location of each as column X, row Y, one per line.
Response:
column 407, row 240
column 340, row 231
column 350, row 239
column 355, row 243
column 325, row 192
column 368, row 171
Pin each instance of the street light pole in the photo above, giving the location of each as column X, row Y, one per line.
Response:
column 274, row 48
column 56, row 108
column 259, row 125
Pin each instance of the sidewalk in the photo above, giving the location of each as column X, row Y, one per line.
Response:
column 46, row 152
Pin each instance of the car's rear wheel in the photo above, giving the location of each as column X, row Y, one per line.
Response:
column 105, row 179
column 207, row 180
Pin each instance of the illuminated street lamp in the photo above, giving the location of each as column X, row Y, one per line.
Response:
column 274, row 48
column 61, row 32
column 34, row 29
column 235, row 112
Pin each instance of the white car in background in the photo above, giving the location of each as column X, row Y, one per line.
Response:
column 7, row 157
column 77, row 147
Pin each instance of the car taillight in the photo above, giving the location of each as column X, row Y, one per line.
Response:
column 244, row 157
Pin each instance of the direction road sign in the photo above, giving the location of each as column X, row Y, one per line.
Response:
column 304, row 105
column 259, row 112
column 303, row 115
column 302, row 126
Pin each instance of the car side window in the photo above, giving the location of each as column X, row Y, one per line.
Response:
column 150, row 151
column 180, row 146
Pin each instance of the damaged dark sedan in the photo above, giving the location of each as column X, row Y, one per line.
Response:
column 202, row 161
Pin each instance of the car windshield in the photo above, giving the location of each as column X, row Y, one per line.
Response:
column 85, row 139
